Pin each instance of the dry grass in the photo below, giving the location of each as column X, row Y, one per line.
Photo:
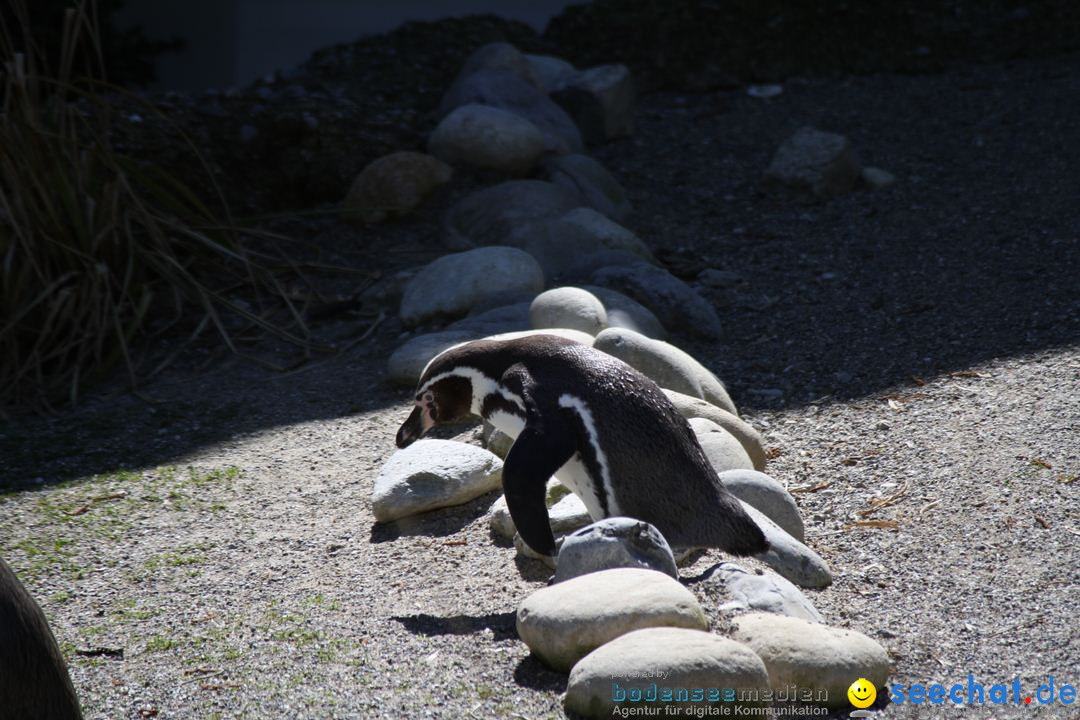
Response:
column 98, row 251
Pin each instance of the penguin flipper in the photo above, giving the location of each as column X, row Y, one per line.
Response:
column 537, row 453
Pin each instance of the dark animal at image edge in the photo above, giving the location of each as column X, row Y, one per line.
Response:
column 602, row 428
column 34, row 682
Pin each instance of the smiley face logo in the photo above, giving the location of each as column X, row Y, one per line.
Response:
column 862, row 693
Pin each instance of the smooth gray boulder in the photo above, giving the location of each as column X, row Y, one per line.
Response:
column 721, row 448
column 813, row 163
column 762, row 592
column 487, row 138
column 676, row 304
column 568, row 307
column 625, row 312
column 613, row 543
column 508, row 318
column 601, row 101
column 666, row 365
column 768, row 496
column 788, row 556
column 496, row 440
column 643, row 670
column 877, row 178
column 568, row 514
column 394, row 185
column 431, row 474
column 590, row 181
column 502, row 56
column 552, row 71
column 564, row 622
column 490, row 216
column 811, row 655
column 506, row 90
column 407, row 363
column 451, row 285
column 557, row 243
column 562, row 518
column 744, row 432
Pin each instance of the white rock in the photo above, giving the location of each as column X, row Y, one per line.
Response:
column 788, row 556
column 721, row 448
column 763, row 591
column 768, row 496
column 815, row 163
column 667, row 366
column 452, row 284
column 877, row 178
column 564, row 622
column 810, row 655
column 432, row 474
column 407, row 363
column 625, row 312
column 676, row 304
column 601, row 101
column 614, row 542
column 686, row 659
column 594, row 185
column 744, row 432
column 490, row 216
column 568, row 307
column 487, row 138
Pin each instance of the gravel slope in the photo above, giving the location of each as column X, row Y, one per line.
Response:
column 925, row 340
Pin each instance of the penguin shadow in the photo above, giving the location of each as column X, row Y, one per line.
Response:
column 533, row 570
column 503, row 625
column 436, row 523
column 533, row 674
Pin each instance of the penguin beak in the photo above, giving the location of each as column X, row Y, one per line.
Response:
column 412, row 429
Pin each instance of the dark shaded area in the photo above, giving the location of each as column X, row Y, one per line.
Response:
column 437, row 523
column 502, row 624
column 701, row 43
column 533, row 674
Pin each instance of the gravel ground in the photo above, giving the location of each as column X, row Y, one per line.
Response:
column 212, row 554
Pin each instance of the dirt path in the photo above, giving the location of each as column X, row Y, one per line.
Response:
column 925, row 340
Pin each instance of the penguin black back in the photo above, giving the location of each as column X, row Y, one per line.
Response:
column 34, row 682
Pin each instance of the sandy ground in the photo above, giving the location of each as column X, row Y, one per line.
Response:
column 213, row 554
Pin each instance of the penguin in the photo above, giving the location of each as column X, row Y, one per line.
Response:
column 34, row 682
column 603, row 429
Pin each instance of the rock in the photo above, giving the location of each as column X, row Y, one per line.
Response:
column 721, row 448
column 407, row 363
column 613, row 543
column 656, row 660
column 491, row 215
column 502, row 300
column 591, row 182
column 568, row 307
column 487, row 138
column 581, row 268
column 601, row 101
column 667, row 366
column 675, row 303
column 506, row 90
column 566, row 515
column 496, row 440
column 566, row 621
column 768, row 496
column 508, row 318
column 763, row 592
column 557, row 243
column 502, row 56
column 502, row 525
column 721, row 279
column 552, row 71
column 877, row 178
column 624, row 312
column 394, row 185
column 814, row 163
column 810, row 655
column 788, row 556
column 744, row 432
column 452, row 284
column 432, row 474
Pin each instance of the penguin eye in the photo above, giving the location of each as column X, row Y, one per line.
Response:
column 428, row 397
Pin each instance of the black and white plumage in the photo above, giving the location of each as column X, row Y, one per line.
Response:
column 603, row 429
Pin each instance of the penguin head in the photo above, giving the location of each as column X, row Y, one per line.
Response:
column 445, row 400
